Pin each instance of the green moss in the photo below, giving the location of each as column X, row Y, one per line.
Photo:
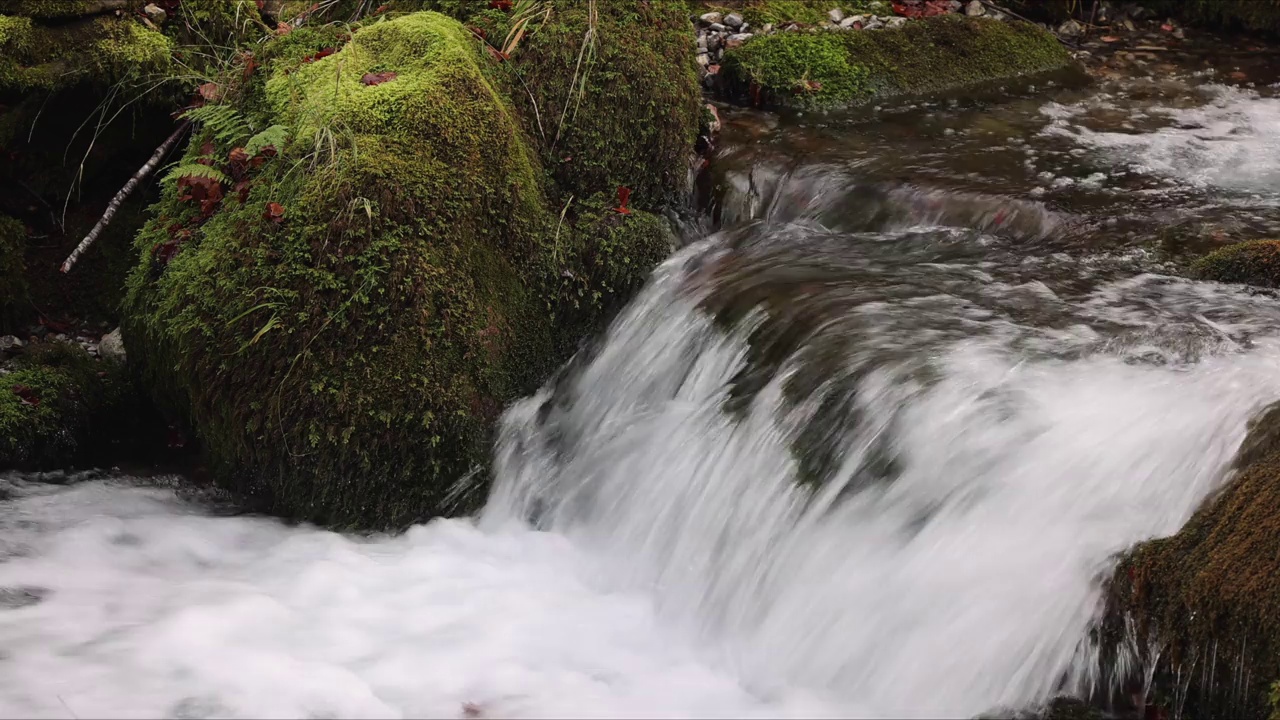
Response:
column 810, row 70
column 1214, row 587
column 58, row 405
column 105, row 49
column 13, row 281
column 806, row 12
column 597, row 263
column 346, row 363
column 628, row 115
column 1256, row 262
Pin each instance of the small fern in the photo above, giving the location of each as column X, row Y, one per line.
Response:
column 275, row 136
column 195, row 169
column 228, row 126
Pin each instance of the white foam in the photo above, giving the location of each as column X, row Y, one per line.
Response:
column 1229, row 141
column 680, row 571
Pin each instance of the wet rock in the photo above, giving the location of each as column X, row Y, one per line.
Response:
column 975, row 8
column 12, row 598
column 733, row 21
column 851, row 21
column 711, row 18
column 716, row 27
column 1070, row 29
column 155, row 13
column 835, row 15
column 874, row 24
column 896, row 22
column 736, row 40
column 704, row 59
column 955, row 6
column 10, row 345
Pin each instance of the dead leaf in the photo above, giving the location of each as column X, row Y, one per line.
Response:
column 377, row 78
column 624, row 195
column 26, row 395
column 283, row 28
column 1110, row 38
column 274, row 213
column 211, row 92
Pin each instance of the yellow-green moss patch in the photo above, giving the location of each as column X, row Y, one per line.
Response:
column 834, row 69
column 1256, row 262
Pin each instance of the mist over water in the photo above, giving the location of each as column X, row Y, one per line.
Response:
column 868, row 451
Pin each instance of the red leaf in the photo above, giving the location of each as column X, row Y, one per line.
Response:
column 274, row 213
column 503, row 5
column 242, row 189
column 250, row 64
column 1166, row 27
column 377, row 78
column 624, row 195
column 381, row 9
column 26, row 395
column 497, row 55
column 321, row 54
column 478, row 32
column 262, row 5
column 164, row 252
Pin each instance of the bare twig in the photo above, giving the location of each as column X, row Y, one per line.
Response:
column 124, row 194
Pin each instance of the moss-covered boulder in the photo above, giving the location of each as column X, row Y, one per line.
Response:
column 838, row 69
column 1209, row 596
column 612, row 97
column 58, row 406
column 350, row 277
column 37, row 55
column 1256, row 262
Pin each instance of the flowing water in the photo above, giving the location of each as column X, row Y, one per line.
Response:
column 866, row 450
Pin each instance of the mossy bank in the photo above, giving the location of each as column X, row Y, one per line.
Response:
column 59, row 406
column 363, row 258
column 822, row 69
column 1209, row 596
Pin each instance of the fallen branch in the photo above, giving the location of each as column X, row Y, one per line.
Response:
column 124, row 194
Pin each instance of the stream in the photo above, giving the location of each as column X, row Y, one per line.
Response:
column 867, row 448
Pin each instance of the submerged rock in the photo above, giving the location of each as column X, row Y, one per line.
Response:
column 827, row 70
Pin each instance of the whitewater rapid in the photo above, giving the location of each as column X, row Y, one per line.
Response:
column 1012, row 416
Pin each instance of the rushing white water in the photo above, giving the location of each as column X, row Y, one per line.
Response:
column 677, row 569
column 1010, row 411
column 1224, row 137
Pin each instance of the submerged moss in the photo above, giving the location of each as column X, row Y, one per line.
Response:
column 1256, row 262
column 58, row 405
column 833, row 69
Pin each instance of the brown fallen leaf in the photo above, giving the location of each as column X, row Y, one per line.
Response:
column 377, row 78
column 274, row 213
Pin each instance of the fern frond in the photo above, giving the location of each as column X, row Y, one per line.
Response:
column 275, row 136
column 228, row 126
column 195, row 169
